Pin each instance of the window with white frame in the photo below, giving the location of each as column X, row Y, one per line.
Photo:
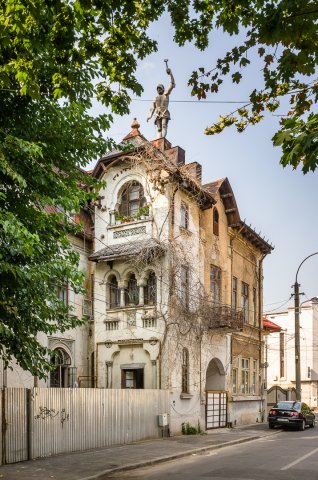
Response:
column 62, row 293
column 245, row 371
column 184, row 216
column 234, row 380
column 244, row 301
column 254, row 377
column 131, row 200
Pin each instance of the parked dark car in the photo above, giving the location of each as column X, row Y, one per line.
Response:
column 291, row 414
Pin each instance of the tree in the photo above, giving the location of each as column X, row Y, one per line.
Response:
column 53, row 54
column 284, row 35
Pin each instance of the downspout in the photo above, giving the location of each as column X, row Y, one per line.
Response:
column 260, row 329
column 171, row 237
column 231, row 335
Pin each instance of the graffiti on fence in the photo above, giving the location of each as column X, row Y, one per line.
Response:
column 51, row 413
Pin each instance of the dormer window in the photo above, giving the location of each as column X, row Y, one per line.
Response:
column 215, row 222
column 132, row 199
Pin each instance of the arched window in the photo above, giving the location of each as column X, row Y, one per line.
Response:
column 150, row 290
column 59, row 377
column 185, row 371
column 114, row 293
column 215, row 222
column 132, row 199
column 132, row 291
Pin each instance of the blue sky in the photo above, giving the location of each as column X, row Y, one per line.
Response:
column 278, row 202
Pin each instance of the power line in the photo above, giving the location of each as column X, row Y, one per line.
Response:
column 192, row 101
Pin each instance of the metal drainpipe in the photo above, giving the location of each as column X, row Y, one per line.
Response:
column 231, row 276
column 171, row 237
column 260, row 324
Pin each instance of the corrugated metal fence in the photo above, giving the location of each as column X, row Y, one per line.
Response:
column 47, row 421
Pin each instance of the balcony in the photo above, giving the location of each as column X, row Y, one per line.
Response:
column 225, row 318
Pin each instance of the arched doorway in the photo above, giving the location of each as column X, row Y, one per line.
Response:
column 216, row 396
column 62, row 362
column 215, row 375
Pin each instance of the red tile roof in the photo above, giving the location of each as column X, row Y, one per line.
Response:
column 270, row 326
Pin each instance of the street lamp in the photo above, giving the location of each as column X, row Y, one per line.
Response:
column 297, row 334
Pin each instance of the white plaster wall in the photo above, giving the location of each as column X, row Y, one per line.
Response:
column 308, row 355
column 77, row 337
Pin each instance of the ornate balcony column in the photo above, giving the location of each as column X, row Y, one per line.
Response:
column 122, row 287
column 141, row 286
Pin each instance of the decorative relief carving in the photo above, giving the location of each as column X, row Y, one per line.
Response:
column 131, row 319
column 129, row 232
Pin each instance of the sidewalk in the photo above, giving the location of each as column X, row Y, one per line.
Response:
column 96, row 464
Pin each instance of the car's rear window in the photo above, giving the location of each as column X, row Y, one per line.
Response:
column 288, row 405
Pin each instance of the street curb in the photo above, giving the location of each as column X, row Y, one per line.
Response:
column 167, row 458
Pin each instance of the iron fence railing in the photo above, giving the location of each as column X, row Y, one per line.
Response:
column 224, row 317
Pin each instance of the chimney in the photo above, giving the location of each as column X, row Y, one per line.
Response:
column 176, row 155
column 162, row 144
column 195, row 170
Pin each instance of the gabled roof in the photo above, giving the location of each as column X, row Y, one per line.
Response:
column 223, row 187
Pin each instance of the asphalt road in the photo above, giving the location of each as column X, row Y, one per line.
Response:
column 289, row 455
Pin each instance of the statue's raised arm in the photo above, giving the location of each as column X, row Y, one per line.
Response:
column 172, row 82
column 159, row 109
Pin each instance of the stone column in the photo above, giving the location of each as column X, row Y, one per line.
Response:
column 141, row 294
column 122, row 287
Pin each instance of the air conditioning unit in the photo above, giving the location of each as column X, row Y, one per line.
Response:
column 87, row 308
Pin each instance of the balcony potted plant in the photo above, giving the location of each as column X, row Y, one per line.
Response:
column 118, row 217
column 143, row 212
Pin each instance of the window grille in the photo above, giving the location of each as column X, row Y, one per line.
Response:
column 185, row 371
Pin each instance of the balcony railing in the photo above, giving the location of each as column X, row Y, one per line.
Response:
column 224, row 317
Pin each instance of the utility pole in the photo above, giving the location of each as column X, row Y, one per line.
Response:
column 297, row 343
column 297, row 332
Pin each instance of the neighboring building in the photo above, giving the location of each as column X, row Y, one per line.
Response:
column 70, row 347
column 174, row 290
column 280, row 351
column 178, row 286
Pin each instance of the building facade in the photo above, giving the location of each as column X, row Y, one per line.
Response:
column 280, row 351
column 174, row 290
column 70, row 348
column 178, row 286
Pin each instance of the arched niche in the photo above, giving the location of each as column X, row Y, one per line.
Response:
column 215, row 375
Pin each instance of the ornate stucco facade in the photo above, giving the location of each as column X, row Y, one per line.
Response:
column 201, row 330
column 174, row 289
